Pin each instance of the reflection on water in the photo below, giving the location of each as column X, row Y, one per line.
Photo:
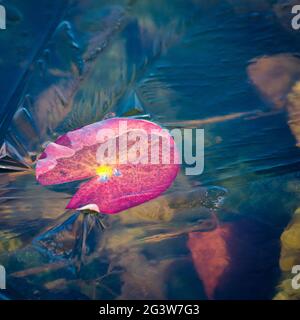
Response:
column 185, row 64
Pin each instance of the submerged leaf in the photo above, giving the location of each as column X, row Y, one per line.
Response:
column 237, row 260
column 210, row 255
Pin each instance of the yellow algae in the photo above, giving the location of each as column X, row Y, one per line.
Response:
column 156, row 210
column 289, row 257
column 291, row 237
column 281, row 296
column 286, row 291
column 287, row 262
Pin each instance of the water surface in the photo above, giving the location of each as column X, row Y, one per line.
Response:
column 186, row 64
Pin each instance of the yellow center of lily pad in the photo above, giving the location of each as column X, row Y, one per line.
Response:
column 104, row 171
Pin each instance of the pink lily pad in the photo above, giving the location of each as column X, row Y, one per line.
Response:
column 114, row 185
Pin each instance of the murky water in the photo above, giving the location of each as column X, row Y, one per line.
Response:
column 182, row 64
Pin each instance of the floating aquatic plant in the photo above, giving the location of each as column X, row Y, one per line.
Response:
column 114, row 185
